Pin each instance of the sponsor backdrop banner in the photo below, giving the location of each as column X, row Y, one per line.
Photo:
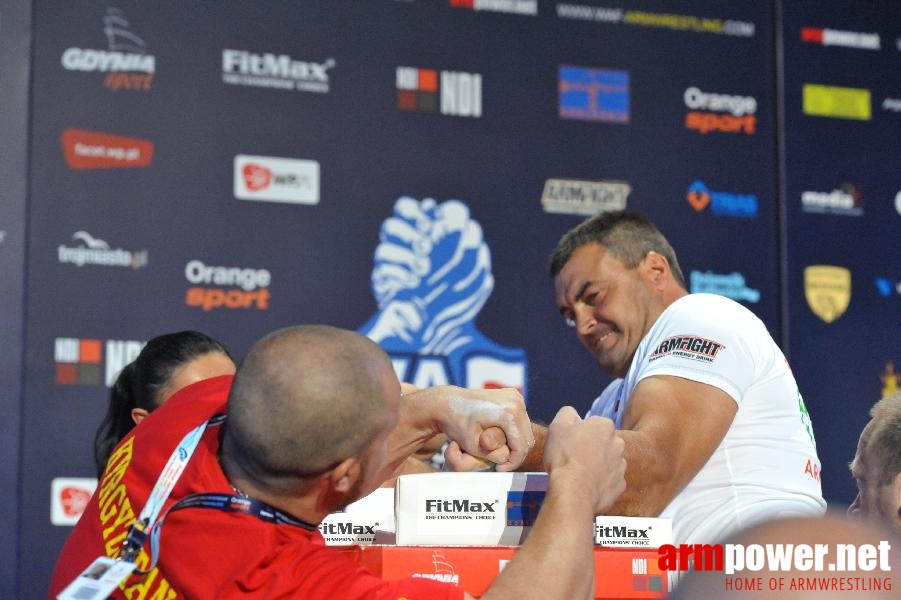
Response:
column 398, row 167
column 843, row 207
column 15, row 62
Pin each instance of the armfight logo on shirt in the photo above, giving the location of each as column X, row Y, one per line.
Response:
column 687, row 346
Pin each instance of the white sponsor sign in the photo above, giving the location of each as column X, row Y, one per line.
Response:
column 68, row 498
column 274, row 179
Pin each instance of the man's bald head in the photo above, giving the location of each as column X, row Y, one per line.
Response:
column 304, row 399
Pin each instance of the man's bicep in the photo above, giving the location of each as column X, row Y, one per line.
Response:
column 677, row 425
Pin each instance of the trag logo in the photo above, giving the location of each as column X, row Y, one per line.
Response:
column 432, row 275
column 455, row 93
column 594, row 94
column 81, row 361
column 721, row 204
column 126, row 62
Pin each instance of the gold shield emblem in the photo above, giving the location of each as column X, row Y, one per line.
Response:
column 828, row 290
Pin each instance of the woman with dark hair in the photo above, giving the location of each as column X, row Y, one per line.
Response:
column 165, row 365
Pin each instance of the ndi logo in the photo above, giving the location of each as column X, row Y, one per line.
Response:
column 454, row 93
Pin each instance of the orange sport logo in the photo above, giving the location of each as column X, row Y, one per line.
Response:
column 227, row 287
column 721, row 113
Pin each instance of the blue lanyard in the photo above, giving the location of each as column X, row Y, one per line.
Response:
column 150, row 523
column 225, row 502
column 175, row 466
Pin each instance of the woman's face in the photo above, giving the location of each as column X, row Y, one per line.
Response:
column 203, row 367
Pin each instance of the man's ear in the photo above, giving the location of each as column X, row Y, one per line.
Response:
column 656, row 267
column 138, row 414
column 344, row 476
column 896, row 494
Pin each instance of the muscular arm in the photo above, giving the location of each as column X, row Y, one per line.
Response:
column 671, row 428
column 585, row 465
column 462, row 415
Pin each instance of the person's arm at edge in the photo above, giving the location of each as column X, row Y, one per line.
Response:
column 671, row 428
column 557, row 559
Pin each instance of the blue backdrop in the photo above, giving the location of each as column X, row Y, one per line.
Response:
column 403, row 168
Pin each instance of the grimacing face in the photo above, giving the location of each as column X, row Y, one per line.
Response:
column 874, row 501
column 610, row 306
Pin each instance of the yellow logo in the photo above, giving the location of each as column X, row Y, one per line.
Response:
column 890, row 380
column 837, row 102
column 827, row 290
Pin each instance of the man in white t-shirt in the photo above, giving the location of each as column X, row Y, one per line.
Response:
column 717, row 435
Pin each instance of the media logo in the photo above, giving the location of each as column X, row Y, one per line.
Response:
column 431, row 277
column 69, row 497
column 731, row 286
column 274, row 179
column 516, row 7
column 277, row 71
column 835, row 37
column 836, row 102
column 594, row 94
column 94, row 251
column 578, row 197
column 722, row 204
column 453, row 93
column 227, row 287
column 827, row 289
column 125, row 61
column 707, row 112
column 95, row 150
column 845, row 201
column 82, row 361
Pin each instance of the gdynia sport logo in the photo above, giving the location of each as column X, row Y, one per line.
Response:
column 805, row 566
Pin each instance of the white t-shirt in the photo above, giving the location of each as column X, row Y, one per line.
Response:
column 767, row 464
